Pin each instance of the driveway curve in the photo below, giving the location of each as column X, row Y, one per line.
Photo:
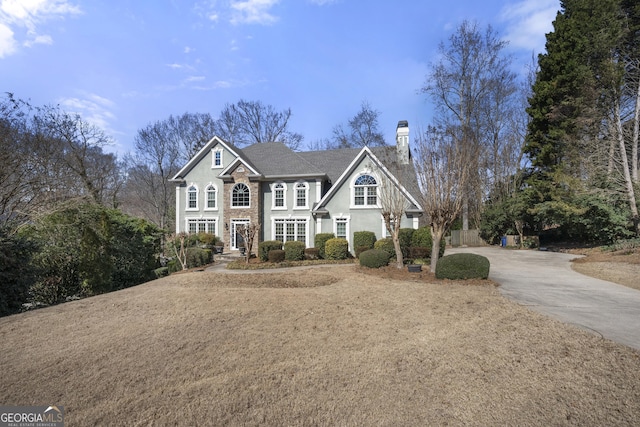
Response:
column 545, row 282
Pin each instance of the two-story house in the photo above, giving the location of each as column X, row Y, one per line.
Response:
column 293, row 195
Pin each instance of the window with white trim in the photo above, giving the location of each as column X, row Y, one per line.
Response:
column 279, row 191
column 289, row 229
column 240, row 196
column 365, row 191
column 201, row 225
column 301, row 195
column 192, row 197
column 211, row 193
column 216, row 158
column 341, row 226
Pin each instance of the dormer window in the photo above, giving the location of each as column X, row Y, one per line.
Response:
column 365, row 192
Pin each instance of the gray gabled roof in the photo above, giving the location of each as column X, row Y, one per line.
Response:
column 274, row 159
column 332, row 162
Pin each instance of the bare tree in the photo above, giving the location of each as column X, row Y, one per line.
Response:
column 443, row 169
column 361, row 130
column 393, row 202
column 248, row 233
column 81, row 144
column 471, row 87
column 250, row 122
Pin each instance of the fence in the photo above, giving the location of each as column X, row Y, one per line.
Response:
column 466, row 238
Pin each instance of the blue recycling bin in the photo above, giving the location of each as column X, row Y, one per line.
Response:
column 503, row 241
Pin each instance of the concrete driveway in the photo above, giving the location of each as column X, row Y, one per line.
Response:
column 545, row 282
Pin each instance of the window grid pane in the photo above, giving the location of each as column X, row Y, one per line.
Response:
column 201, row 226
column 341, row 228
column 211, row 198
column 301, row 197
column 240, row 196
column 279, row 234
column 192, row 198
column 371, row 196
column 279, row 198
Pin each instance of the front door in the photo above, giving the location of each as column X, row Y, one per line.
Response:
column 236, row 237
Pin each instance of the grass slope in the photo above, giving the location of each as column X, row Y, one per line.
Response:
column 205, row 348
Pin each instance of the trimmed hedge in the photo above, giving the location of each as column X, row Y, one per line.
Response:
column 276, row 255
column 294, row 251
column 404, row 236
column 197, row 257
column 311, row 253
column 386, row 244
column 265, row 247
column 462, row 266
column 419, row 252
column 422, row 237
column 336, row 248
column 363, row 239
column 320, row 241
column 374, row 258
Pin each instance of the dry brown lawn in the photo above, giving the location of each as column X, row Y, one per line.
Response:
column 622, row 267
column 321, row 346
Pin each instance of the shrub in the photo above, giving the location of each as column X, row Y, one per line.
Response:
column 320, row 241
column 360, row 249
column 294, row 251
column 386, row 244
column 161, row 272
column 336, row 248
column 419, row 252
column 363, row 239
column 462, row 266
column 15, row 272
column 311, row 253
column 173, row 266
column 197, row 257
column 422, row 237
column 374, row 258
column 265, row 247
column 276, row 255
column 404, row 236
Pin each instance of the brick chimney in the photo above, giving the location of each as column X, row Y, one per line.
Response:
column 402, row 142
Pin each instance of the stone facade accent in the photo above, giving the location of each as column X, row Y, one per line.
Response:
column 241, row 175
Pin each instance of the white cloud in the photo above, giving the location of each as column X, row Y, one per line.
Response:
column 528, row 21
column 7, row 42
column 29, row 15
column 253, row 12
column 195, row 79
column 93, row 108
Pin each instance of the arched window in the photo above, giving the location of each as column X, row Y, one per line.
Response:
column 302, row 195
column 212, row 194
column 192, row 197
column 240, row 196
column 279, row 195
column 365, row 191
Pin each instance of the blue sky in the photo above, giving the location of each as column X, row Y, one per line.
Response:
column 123, row 64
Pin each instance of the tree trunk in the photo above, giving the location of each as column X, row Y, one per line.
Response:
column 634, row 142
column 631, row 197
column 437, row 234
column 396, row 246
